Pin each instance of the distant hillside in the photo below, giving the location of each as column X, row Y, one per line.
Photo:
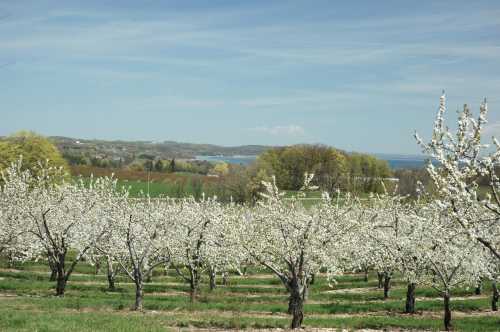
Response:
column 130, row 150
column 120, row 153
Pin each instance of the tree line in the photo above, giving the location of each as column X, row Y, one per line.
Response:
column 334, row 169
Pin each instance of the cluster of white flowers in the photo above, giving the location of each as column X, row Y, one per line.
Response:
column 462, row 160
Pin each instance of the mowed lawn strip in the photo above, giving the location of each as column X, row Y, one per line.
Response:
column 30, row 320
column 257, row 300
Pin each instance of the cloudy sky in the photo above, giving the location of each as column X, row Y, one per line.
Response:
column 358, row 75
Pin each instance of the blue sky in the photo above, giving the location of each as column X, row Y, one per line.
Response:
column 358, row 75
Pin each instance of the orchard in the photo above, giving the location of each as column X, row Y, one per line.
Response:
column 448, row 237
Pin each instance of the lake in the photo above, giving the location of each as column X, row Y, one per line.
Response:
column 395, row 162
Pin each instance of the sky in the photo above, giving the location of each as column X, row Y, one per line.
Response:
column 356, row 75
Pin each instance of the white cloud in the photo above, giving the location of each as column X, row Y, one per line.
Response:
column 288, row 130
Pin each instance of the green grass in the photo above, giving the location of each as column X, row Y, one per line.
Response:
column 182, row 187
column 26, row 320
column 159, row 188
column 253, row 301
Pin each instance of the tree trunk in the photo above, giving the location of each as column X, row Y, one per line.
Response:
column 225, row 278
column 212, row 276
column 296, row 307
column 111, row 275
column 139, row 291
column 192, row 291
column 366, row 274
column 53, row 268
column 53, row 274
column 111, row 282
column 380, row 276
column 477, row 291
column 313, row 279
column 193, row 284
column 447, row 311
column 97, row 266
column 61, row 283
column 10, row 260
column 410, row 299
column 305, row 293
column 387, row 285
column 139, row 295
column 494, row 298
column 61, row 276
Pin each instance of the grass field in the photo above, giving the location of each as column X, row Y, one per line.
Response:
column 157, row 188
column 178, row 184
column 253, row 301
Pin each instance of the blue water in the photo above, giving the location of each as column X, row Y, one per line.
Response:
column 406, row 163
column 240, row 160
column 396, row 163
